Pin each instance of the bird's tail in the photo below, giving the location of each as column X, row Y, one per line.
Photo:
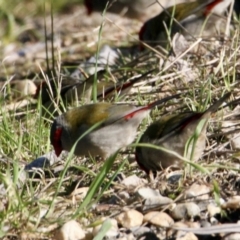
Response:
column 218, row 103
column 161, row 101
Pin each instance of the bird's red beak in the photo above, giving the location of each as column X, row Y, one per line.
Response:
column 140, row 36
column 88, row 5
column 57, row 141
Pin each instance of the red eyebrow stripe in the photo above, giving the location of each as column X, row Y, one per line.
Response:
column 210, row 6
column 57, row 141
column 57, row 134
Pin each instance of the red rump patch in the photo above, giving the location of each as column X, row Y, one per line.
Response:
column 210, row 6
column 57, row 141
column 191, row 119
column 129, row 116
column 118, row 89
column 132, row 114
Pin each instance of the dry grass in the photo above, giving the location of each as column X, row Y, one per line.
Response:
column 35, row 207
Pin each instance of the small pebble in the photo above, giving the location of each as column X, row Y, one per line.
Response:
column 130, row 218
column 159, row 219
column 185, row 210
column 71, row 230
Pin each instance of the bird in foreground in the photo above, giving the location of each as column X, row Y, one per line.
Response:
column 173, row 133
column 117, row 127
column 201, row 18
